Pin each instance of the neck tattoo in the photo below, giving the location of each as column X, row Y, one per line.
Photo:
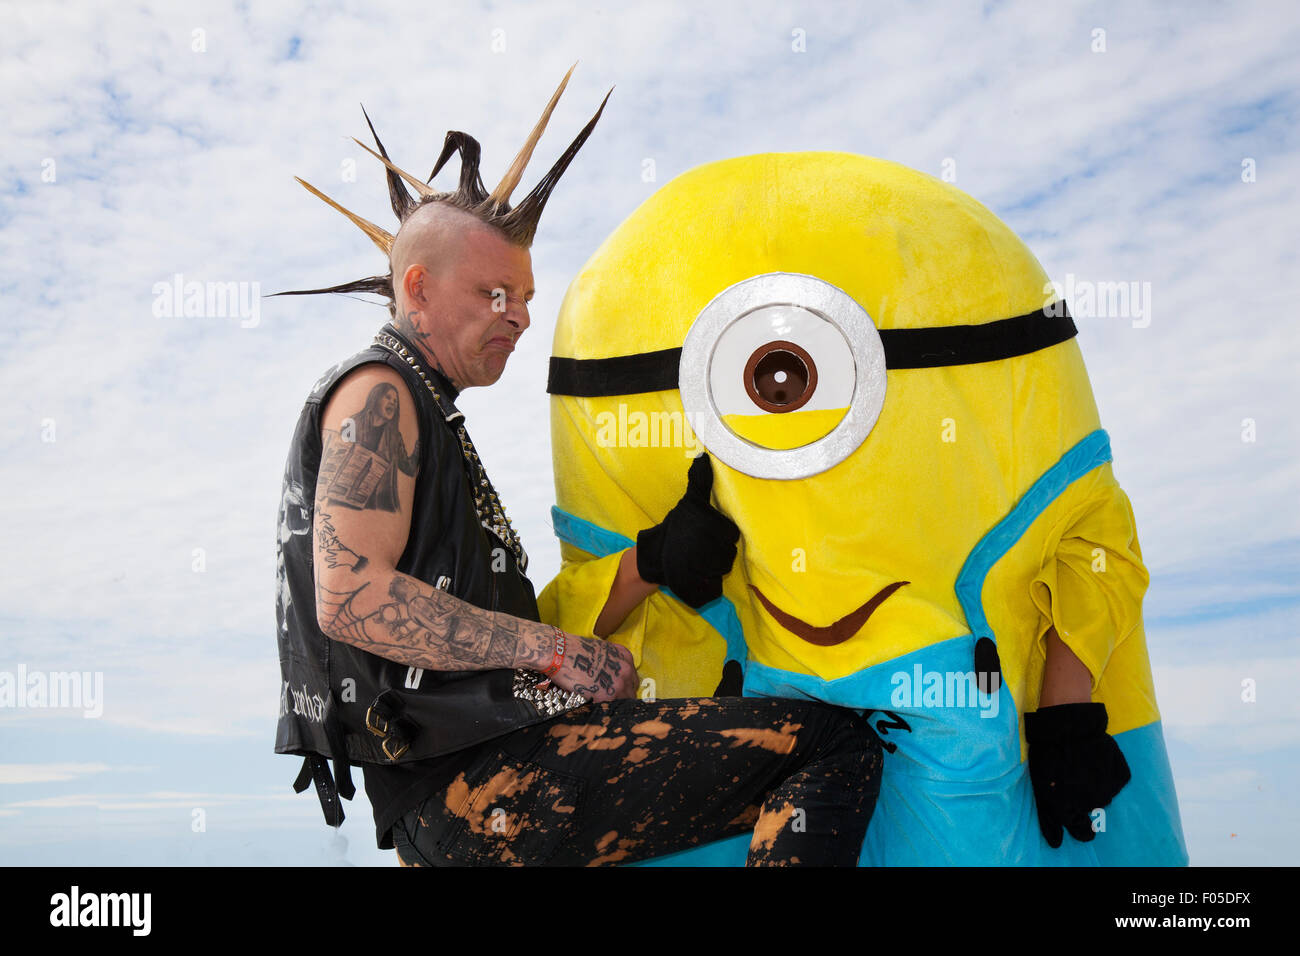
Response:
column 406, row 325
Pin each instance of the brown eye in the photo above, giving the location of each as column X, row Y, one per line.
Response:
column 780, row 376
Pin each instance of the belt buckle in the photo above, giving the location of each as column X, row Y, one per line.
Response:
column 370, row 724
column 400, row 750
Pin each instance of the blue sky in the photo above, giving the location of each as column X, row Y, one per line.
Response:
column 159, row 139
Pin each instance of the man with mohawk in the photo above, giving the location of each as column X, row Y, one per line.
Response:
column 409, row 635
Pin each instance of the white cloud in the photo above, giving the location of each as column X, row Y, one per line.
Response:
column 1201, row 698
column 47, row 772
column 158, row 800
column 1226, row 785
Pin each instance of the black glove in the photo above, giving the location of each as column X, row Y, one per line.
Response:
column 1074, row 766
column 695, row 544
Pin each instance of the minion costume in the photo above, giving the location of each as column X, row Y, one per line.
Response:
column 901, row 425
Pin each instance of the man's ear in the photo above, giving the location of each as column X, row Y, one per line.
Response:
column 414, row 282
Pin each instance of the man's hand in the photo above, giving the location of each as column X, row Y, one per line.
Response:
column 596, row 669
column 694, row 546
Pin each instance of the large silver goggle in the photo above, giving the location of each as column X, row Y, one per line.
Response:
column 784, row 343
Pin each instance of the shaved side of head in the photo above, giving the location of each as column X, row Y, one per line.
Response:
column 431, row 236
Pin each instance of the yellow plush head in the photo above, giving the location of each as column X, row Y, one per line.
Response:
column 864, row 441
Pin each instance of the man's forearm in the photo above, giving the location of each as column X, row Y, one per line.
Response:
column 403, row 619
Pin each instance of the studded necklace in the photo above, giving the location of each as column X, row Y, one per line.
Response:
column 487, row 504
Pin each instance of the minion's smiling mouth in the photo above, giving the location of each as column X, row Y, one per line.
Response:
column 831, row 634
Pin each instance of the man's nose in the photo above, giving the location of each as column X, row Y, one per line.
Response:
column 517, row 315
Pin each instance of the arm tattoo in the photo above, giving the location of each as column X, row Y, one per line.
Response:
column 415, row 624
column 335, row 553
column 424, row 627
column 360, row 462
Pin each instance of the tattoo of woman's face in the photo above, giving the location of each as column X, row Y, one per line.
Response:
column 381, row 406
column 359, row 465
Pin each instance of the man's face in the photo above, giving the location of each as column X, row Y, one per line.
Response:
column 388, row 405
column 478, row 307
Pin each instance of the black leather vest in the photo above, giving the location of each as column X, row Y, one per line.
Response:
column 350, row 706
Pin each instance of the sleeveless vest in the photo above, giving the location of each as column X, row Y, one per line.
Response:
column 340, row 703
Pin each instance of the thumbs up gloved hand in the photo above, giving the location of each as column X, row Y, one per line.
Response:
column 695, row 544
column 1074, row 767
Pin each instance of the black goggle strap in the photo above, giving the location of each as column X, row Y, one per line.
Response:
column 904, row 348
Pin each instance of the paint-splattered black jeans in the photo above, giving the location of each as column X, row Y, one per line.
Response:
column 628, row 780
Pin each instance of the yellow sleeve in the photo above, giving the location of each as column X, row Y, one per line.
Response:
column 574, row 598
column 1090, row 586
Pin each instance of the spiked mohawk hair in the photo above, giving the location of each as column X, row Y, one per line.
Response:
column 517, row 223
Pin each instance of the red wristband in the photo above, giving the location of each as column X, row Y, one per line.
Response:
column 557, row 659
